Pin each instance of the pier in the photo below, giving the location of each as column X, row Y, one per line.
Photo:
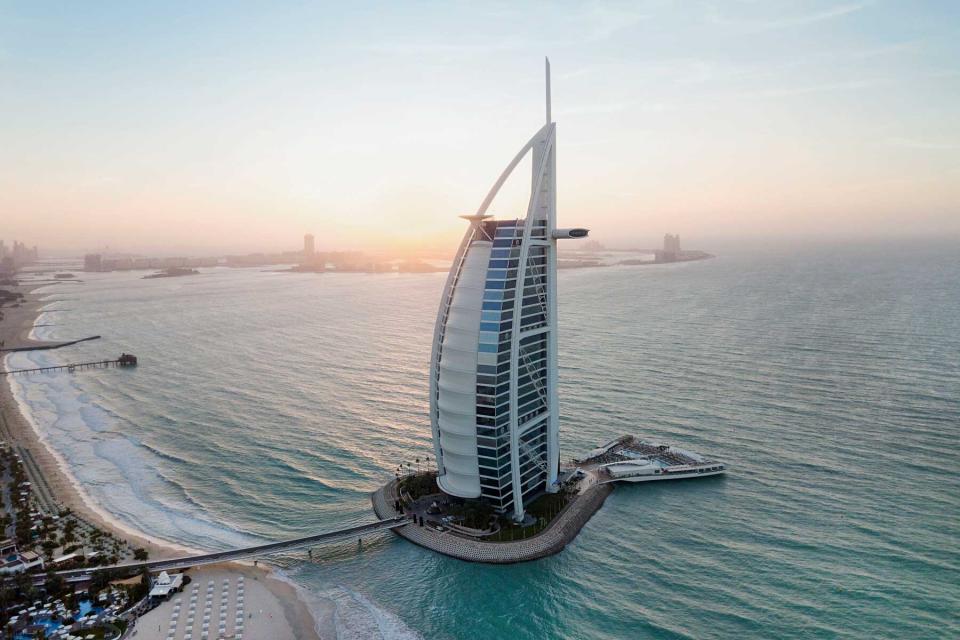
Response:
column 125, row 360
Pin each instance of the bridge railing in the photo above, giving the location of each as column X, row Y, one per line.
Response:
column 243, row 552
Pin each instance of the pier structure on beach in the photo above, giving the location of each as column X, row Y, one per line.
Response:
column 125, row 360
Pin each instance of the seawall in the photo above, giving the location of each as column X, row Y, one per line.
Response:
column 558, row 534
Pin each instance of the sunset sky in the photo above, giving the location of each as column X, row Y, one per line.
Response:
column 238, row 126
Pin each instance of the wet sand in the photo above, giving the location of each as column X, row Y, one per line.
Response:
column 16, row 428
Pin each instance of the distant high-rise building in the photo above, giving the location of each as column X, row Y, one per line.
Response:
column 493, row 371
column 92, row 262
column 308, row 247
column 18, row 254
column 671, row 243
column 671, row 248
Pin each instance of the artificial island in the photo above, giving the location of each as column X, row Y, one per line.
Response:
column 498, row 492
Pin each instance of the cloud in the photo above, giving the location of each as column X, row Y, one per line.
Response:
column 591, row 24
column 420, row 47
column 757, row 26
column 602, row 22
column 593, row 109
column 849, row 85
column 926, row 145
column 908, row 46
column 575, row 73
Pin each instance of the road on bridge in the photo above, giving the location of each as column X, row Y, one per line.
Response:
column 247, row 552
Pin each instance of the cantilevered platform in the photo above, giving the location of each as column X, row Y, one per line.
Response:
column 629, row 459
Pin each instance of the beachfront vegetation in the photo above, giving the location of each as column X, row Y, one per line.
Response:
column 7, row 296
column 474, row 514
column 420, row 496
column 544, row 509
column 419, row 485
column 60, row 540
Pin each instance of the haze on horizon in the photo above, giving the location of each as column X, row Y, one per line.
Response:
column 240, row 126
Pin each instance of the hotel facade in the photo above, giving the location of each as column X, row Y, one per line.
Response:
column 493, row 373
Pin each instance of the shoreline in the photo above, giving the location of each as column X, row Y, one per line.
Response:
column 16, row 330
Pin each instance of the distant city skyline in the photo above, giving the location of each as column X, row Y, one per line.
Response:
column 17, row 253
column 227, row 128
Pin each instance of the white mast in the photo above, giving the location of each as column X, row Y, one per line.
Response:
column 549, row 118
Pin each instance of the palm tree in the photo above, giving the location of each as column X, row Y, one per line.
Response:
column 418, row 466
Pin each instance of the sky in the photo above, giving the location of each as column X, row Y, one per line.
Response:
column 205, row 128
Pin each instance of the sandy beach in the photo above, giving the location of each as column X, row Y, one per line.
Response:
column 289, row 616
column 247, row 601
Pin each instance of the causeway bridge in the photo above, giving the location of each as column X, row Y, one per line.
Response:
column 264, row 549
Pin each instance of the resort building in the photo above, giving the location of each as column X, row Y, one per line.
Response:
column 493, row 370
column 13, row 561
column 165, row 584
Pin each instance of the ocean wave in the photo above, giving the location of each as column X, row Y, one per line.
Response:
column 350, row 614
column 113, row 471
column 156, row 504
column 357, row 617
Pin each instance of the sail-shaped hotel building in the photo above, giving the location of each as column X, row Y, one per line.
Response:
column 493, row 370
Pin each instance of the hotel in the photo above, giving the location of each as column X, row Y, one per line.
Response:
column 493, row 369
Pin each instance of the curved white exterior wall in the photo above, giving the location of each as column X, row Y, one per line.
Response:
column 493, row 369
column 457, row 377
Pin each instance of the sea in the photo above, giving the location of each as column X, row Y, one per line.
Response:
column 268, row 405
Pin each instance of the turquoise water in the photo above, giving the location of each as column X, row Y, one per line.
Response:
column 268, row 405
column 85, row 607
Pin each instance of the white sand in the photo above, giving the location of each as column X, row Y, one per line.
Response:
column 263, row 613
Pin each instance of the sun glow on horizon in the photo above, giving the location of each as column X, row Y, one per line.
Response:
column 227, row 129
